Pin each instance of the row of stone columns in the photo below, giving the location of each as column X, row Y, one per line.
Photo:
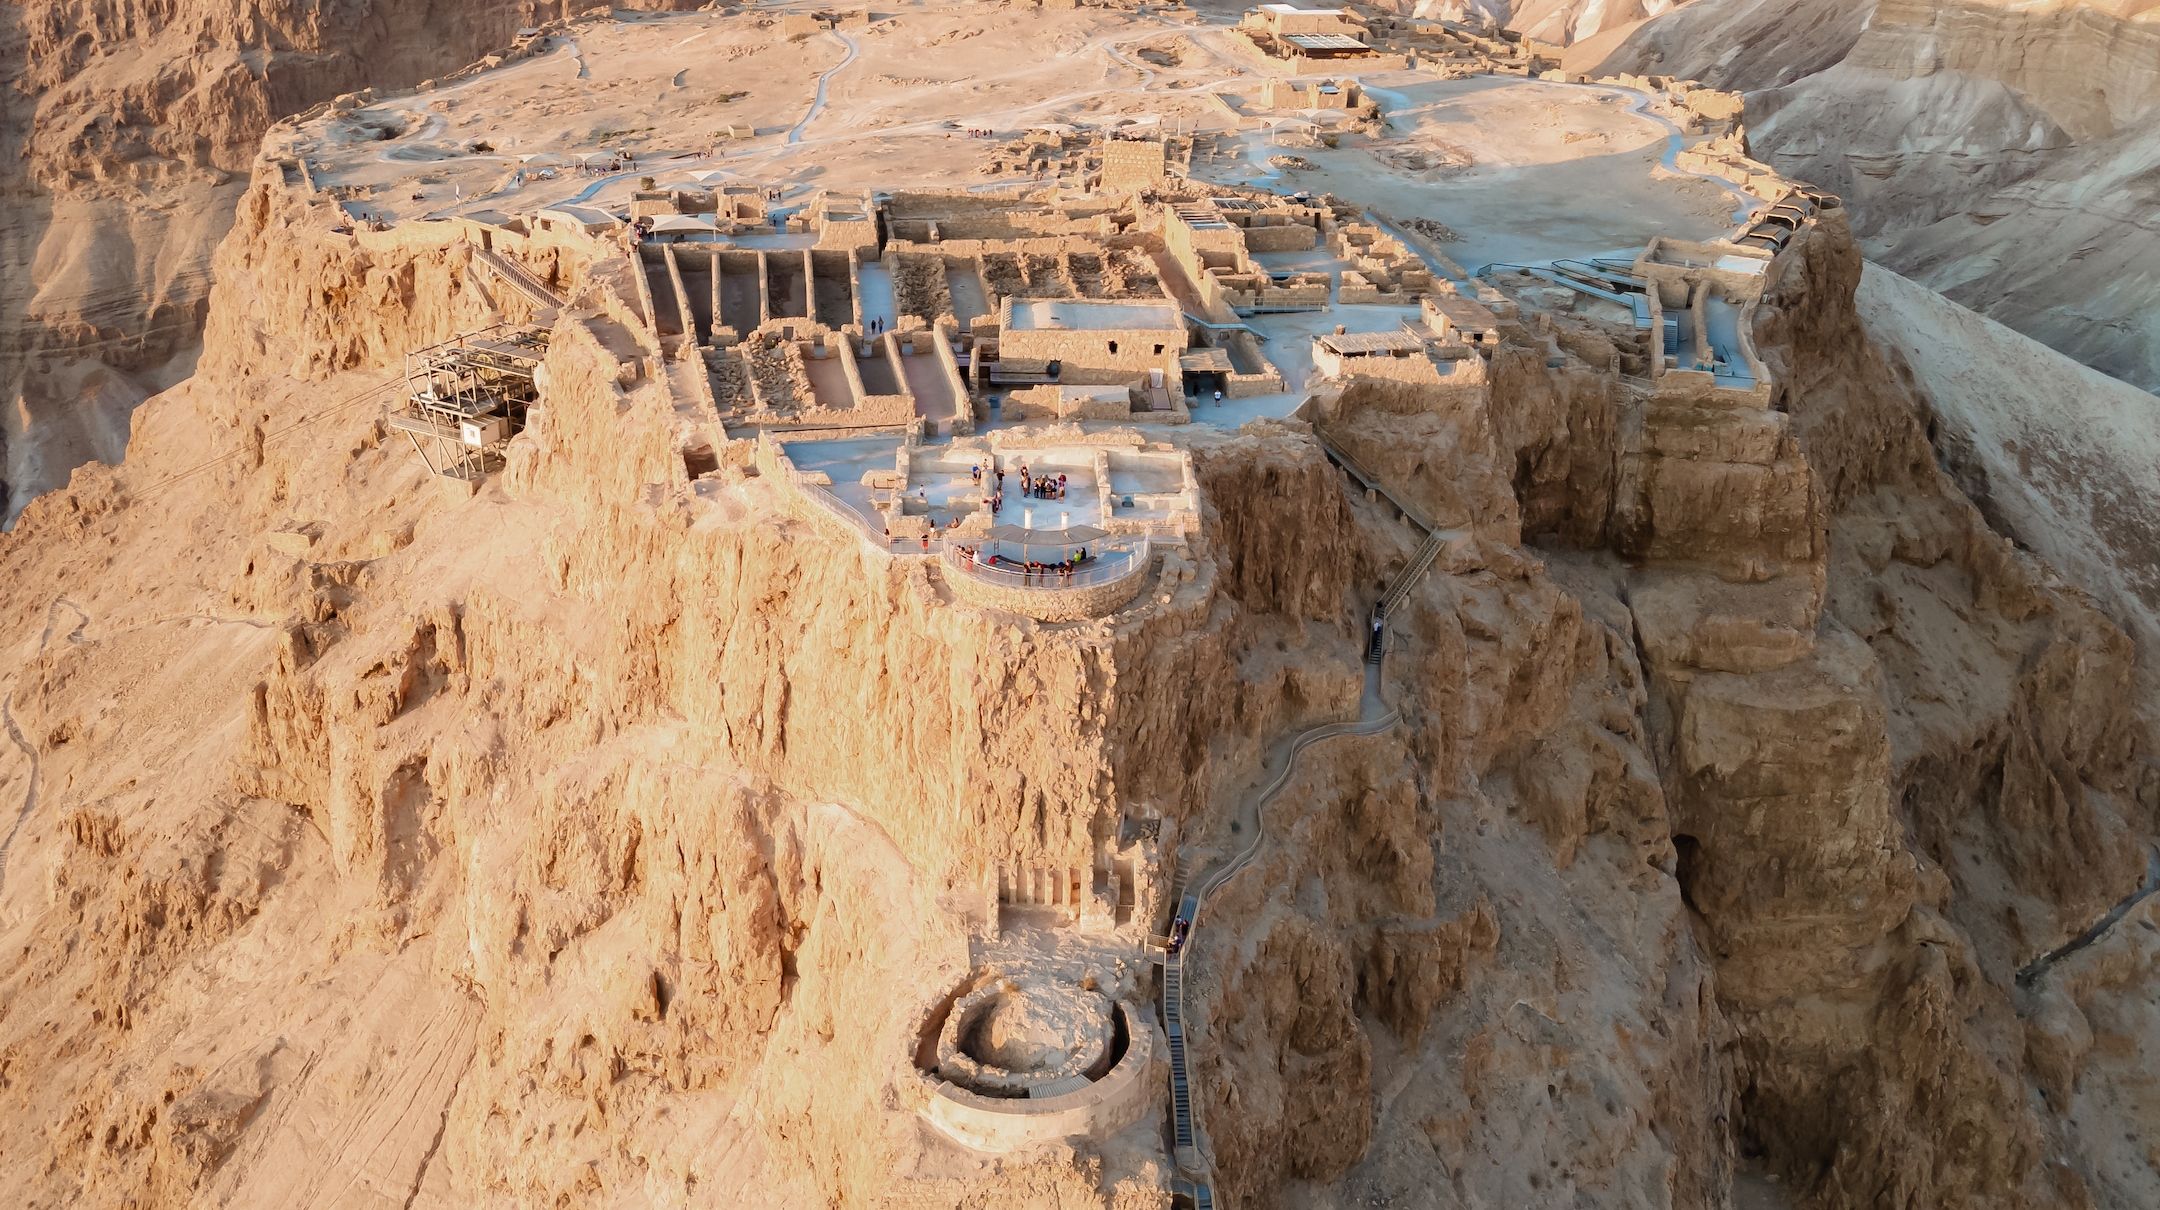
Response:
column 1051, row 886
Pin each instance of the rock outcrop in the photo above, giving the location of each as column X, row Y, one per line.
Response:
column 130, row 138
column 2001, row 154
column 596, row 837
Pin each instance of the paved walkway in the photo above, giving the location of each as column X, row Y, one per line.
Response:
column 877, row 295
column 818, row 106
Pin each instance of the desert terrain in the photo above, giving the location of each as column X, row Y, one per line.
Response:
column 2000, row 154
column 1561, row 683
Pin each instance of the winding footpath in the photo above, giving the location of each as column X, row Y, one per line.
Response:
column 1675, row 143
column 817, row 106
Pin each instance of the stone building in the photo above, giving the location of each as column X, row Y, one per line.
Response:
column 1092, row 342
column 1453, row 317
column 1131, row 164
column 1285, row 20
column 1311, row 94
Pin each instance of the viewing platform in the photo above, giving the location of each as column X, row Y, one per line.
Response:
column 1030, row 571
column 1080, row 546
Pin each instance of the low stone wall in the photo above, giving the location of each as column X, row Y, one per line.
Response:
column 1287, row 237
column 1100, row 1110
column 1048, row 604
column 1701, row 387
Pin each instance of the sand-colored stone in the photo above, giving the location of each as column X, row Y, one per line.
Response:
column 611, row 834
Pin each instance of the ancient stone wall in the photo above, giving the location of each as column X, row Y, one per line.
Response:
column 1046, row 603
column 1132, row 164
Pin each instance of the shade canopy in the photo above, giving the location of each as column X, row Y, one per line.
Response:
column 1071, row 536
column 680, row 222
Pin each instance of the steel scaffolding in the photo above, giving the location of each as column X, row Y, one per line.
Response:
column 467, row 396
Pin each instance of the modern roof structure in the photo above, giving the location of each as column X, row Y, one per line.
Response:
column 1327, row 43
column 1365, row 344
column 1104, row 316
column 590, row 218
column 1464, row 314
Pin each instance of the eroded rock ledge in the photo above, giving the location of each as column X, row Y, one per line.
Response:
column 603, row 835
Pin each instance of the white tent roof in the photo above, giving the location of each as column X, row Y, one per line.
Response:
column 681, row 222
column 584, row 215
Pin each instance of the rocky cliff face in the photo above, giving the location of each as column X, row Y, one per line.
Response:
column 128, row 136
column 1834, row 748
column 592, row 839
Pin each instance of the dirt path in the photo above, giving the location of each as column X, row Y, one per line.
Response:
column 817, row 105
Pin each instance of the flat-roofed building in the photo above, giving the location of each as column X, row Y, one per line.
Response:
column 586, row 220
column 1312, row 94
column 1463, row 319
column 1337, row 354
column 1091, row 342
column 1285, row 20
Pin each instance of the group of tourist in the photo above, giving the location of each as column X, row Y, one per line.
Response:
column 1032, row 486
column 978, row 132
column 1032, row 573
column 1041, row 487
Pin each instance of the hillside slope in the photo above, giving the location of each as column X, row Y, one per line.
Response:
column 125, row 142
column 2007, row 156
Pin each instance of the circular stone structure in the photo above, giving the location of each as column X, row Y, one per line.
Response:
column 1012, row 1061
column 1013, row 1037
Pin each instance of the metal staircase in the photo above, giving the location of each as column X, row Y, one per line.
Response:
column 518, row 278
column 1183, row 1145
column 1412, row 572
column 1190, row 888
column 1173, row 993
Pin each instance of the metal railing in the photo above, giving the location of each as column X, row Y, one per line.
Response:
column 1106, row 568
column 874, row 535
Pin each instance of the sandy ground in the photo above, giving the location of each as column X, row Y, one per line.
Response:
column 1523, row 170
